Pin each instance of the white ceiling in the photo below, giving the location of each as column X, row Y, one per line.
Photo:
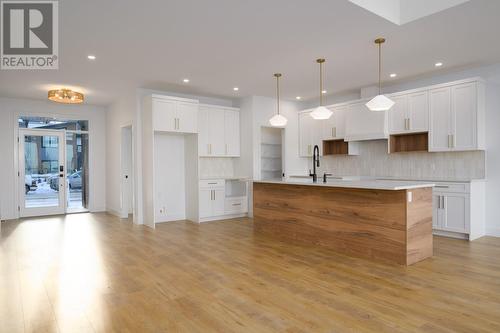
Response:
column 220, row 44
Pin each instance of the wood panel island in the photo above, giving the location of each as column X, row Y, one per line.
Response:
column 389, row 221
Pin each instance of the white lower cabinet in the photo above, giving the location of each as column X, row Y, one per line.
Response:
column 212, row 196
column 220, row 199
column 458, row 210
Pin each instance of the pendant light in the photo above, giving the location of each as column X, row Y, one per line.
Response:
column 321, row 113
column 278, row 120
column 380, row 102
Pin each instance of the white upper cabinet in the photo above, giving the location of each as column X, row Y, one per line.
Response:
column 305, row 134
column 410, row 113
column 464, row 116
column 457, row 117
column 187, row 117
column 232, row 132
column 310, row 134
column 363, row 124
column 164, row 115
column 219, row 131
column 174, row 114
column 334, row 128
column 418, row 112
column 440, row 119
column 398, row 115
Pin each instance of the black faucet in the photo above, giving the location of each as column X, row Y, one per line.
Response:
column 315, row 164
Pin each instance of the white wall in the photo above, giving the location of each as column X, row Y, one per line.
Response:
column 11, row 109
column 119, row 114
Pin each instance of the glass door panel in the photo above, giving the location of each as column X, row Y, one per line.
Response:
column 42, row 176
column 77, row 165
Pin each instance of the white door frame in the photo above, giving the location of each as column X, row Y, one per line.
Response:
column 127, row 200
column 41, row 211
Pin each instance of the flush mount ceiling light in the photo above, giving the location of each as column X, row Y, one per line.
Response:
column 380, row 102
column 185, row 80
column 91, row 57
column 393, row 75
column 65, row 96
column 298, row 98
column 321, row 113
column 438, row 64
column 278, row 120
column 236, row 89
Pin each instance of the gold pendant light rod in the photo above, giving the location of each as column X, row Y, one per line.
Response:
column 277, row 76
column 320, row 62
column 379, row 42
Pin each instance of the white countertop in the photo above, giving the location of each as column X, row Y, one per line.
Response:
column 415, row 179
column 372, row 184
column 242, row 178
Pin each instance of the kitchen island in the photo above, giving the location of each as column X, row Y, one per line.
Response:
column 389, row 221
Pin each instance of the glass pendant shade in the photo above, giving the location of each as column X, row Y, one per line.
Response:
column 380, row 103
column 278, row 121
column 321, row 113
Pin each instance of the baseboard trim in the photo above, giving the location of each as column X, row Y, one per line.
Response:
column 222, row 217
column 112, row 212
column 450, row 234
column 494, row 232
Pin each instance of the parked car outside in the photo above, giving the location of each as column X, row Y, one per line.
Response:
column 29, row 184
column 74, row 181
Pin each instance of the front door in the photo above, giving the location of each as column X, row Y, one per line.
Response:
column 42, row 177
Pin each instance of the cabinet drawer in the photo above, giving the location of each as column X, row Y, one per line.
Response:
column 236, row 205
column 452, row 187
column 212, row 183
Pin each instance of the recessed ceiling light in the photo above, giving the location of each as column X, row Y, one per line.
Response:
column 393, row 75
column 298, row 97
column 438, row 64
column 236, row 88
column 185, row 80
column 323, row 91
column 91, row 57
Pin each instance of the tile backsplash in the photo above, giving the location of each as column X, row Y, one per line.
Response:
column 373, row 160
column 213, row 167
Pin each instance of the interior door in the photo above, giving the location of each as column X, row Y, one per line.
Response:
column 42, row 174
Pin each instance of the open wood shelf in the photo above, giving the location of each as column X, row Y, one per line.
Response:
column 402, row 143
column 335, row 147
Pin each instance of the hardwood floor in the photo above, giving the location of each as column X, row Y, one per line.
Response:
column 96, row 273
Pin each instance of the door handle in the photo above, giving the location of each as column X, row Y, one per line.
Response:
column 444, row 202
column 439, row 202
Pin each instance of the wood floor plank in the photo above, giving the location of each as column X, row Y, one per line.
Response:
column 97, row 273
